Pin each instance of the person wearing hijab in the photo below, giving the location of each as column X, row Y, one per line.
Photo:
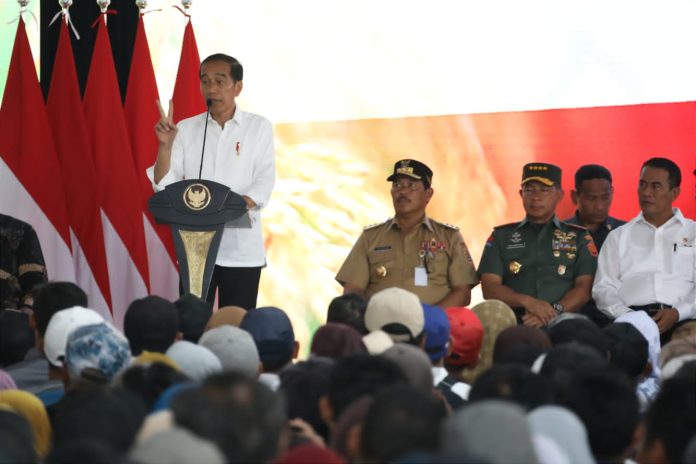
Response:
column 495, row 316
column 493, row 431
column 565, row 429
column 650, row 385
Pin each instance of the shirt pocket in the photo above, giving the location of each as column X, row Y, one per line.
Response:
column 382, row 264
column 684, row 264
column 438, row 268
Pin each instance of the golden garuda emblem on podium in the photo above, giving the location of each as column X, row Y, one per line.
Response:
column 197, row 197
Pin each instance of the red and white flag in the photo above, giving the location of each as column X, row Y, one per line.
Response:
column 187, row 89
column 141, row 116
column 119, row 188
column 30, row 190
column 79, row 177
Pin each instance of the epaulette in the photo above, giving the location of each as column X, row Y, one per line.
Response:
column 444, row 224
column 372, row 226
column 577, row 226
column 502, row 226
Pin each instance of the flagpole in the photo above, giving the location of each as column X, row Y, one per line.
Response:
column 103, row 7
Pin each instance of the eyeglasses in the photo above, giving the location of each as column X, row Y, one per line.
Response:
column 542, row 191
column 405, row 185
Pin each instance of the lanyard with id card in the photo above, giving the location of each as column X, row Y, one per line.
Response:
column 420, row 275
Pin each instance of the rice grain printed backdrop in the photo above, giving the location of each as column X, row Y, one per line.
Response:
column 473, row 89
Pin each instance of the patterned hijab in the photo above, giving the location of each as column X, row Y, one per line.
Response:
column 495, row 316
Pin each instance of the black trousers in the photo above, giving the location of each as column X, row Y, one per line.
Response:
column 236, row 286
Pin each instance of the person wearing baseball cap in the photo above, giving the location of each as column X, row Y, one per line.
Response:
column 540, row 266
column 411, row 250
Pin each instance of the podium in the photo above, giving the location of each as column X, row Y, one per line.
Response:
column 198, row 211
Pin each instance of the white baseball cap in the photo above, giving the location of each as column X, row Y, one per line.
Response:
column 59, row 327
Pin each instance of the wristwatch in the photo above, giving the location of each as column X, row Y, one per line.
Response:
column 559, row 308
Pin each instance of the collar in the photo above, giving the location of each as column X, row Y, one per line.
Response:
column 238, row 117
column 608, row 224
column 677, row 216
column 554, row 219
column 426, row 221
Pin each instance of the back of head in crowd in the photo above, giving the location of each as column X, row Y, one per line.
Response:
column 511, row 382
column 16, row 336
column 414, row 363
column 398, row 312
column 488, row 431
column 350, row 310
column 437, row 333
column 335, row 340
column 151, row 324
column 240, row 415
column 521, row 345
column 580, row 330
column 193, row 314
column 273, row 334
column 235, row 348
column 302, row 384
column 402, row 421
column 51, row 298
column 628, row 348
column 96, row 352
column 466, row 338
column 562, row 363
column 357, row 375
column 196, row 361
column 110, row 417
column 16, row 438
column 605, row 400
column 148, row 381
column 670, row 422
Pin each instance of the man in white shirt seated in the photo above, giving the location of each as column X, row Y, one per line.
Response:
column 649, row 263
column 239, row 153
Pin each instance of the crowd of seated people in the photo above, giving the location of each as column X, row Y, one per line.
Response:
column 388, row 379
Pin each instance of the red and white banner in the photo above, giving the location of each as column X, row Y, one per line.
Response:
column 118, row 185
column 141, row 116
column 79, row 178
column 30, row 188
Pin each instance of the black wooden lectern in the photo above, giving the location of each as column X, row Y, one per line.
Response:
column 197, row 212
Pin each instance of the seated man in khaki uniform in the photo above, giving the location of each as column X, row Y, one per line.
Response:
column 410, row 250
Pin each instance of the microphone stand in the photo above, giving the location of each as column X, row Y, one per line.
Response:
column 208, row 102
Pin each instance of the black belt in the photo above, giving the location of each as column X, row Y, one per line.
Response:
column 651, row 308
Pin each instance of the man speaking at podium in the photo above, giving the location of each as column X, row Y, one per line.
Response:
column 239, row 153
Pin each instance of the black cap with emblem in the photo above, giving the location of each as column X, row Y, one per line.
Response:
column 413, row 169
column 547, row 174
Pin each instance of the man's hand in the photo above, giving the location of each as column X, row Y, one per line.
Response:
column 250, row 203
column 543, row 311
column 666, row 318
column 532, row 321
column 165, row 129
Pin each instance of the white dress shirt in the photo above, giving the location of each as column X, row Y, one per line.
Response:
column 239, row 155
column 641, row 264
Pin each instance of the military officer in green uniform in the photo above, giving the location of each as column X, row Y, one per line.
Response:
column 411, row 251
column 540, row 266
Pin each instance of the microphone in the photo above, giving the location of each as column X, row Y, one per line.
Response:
column 208, row 102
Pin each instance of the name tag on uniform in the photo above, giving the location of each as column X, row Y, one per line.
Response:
column 420, row 278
